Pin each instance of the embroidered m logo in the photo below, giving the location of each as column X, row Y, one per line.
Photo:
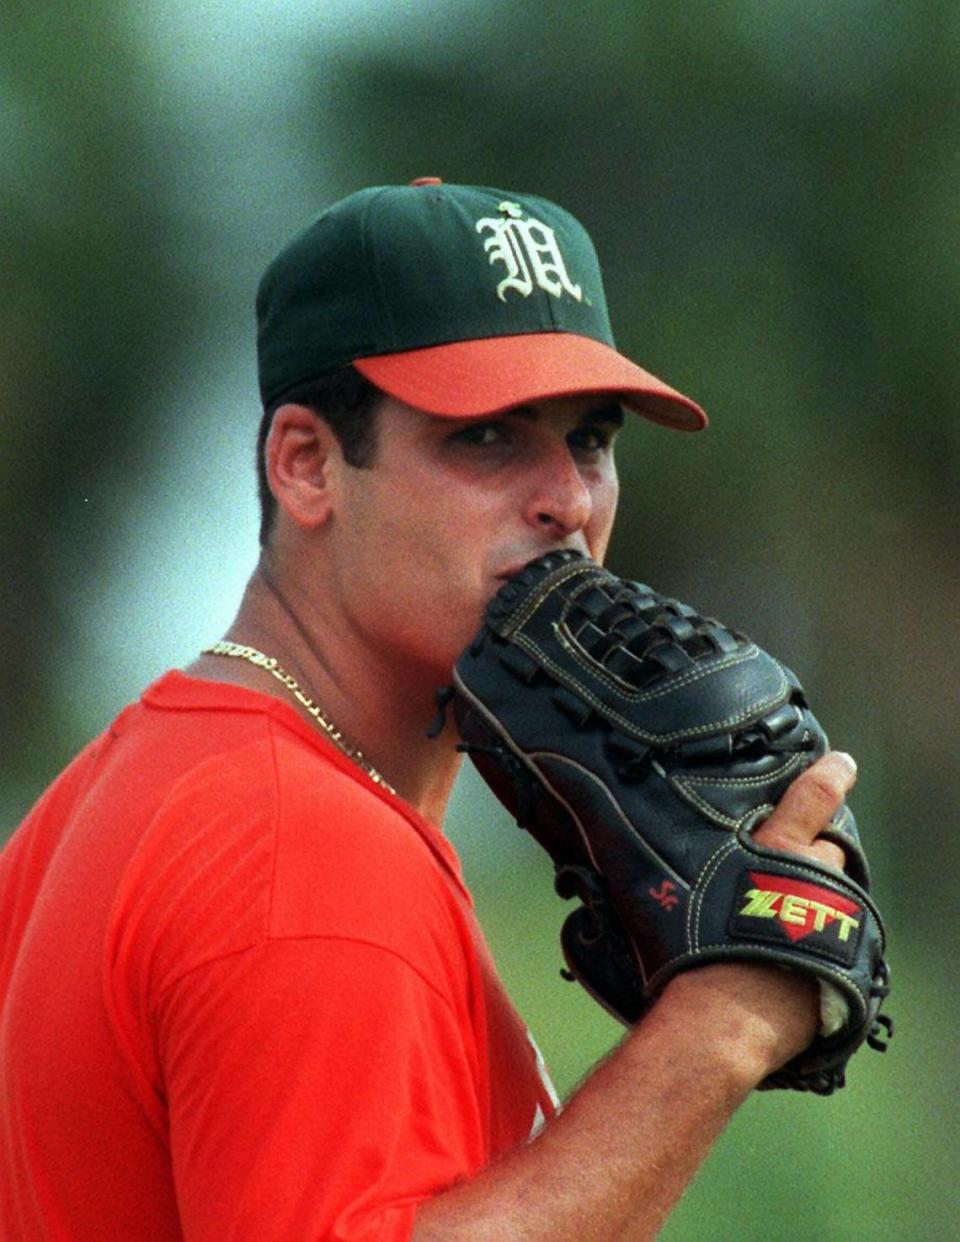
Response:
column 528, row 250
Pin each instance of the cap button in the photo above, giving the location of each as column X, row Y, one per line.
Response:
column 427, row 181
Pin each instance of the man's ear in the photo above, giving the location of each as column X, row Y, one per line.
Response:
column 303, row 457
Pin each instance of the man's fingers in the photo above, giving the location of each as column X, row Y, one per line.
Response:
column 807, row 807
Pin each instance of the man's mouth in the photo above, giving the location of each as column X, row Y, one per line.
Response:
column 514, row 570
column 517, row 567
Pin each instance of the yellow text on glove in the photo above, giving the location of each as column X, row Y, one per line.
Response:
column 799, row 907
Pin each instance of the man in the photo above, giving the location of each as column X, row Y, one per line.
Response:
column 243, row 992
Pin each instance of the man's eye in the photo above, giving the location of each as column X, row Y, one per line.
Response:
column 591, row 439
column 480, row 433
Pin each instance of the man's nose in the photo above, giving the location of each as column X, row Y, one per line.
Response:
column 560, row 499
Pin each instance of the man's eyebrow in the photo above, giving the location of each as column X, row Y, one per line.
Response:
column 611, row 413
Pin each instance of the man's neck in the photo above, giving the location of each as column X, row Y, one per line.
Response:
column 382, row 710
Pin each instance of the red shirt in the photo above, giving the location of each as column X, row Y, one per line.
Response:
column 243, row 994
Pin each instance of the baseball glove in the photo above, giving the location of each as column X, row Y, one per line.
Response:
column 640, row 744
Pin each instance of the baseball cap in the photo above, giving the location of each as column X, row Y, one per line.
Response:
column 460, row 300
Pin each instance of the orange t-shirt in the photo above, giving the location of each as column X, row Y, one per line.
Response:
column 242, row 992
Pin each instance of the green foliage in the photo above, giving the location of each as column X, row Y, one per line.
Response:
column 94, row 310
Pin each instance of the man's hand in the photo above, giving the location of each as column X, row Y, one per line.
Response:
column 803, row 812
column 807, row 808
column 775, row 1012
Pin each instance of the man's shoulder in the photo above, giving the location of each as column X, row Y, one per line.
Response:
column 255, row 812
column 304, row 794
column 222, row 745
column 350, row 857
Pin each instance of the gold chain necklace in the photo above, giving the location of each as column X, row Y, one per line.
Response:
column 252, row 656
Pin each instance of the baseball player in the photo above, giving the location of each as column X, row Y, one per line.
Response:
column 243, row 991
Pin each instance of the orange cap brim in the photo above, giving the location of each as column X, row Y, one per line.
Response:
column 470, row 379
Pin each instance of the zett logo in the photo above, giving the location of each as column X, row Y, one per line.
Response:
column 800, row 908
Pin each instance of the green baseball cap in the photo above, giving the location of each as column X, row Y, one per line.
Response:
column 460, row 300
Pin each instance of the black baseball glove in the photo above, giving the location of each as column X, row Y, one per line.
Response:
column 641, row 744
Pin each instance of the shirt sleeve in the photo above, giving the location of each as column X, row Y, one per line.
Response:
column 318, row 1088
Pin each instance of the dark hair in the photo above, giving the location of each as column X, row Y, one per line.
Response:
column 347, row 402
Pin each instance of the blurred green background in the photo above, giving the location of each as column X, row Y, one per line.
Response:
column 773, row 189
